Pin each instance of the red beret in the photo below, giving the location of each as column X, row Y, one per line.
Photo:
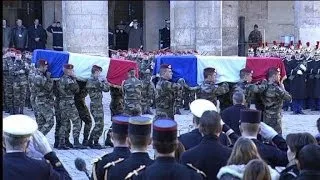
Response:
column 68, row 66
column 18, row 52
column 43, row 62
column 96, row 68
column 12, row 49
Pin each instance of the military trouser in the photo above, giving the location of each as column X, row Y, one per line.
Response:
column 116, row 105
column 45, row 115
column 96, row 110
column 145, row 106
column 164, row 113
column 69, row 113
column 132, row 107
column 19, row 91
column 275, row 123
column 8, row 92
column 84, row 115
column 33, row 104
column 188, row 97
column 28, row 94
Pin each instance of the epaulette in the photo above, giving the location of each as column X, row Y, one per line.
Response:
column 96, row 160
column 113, row 163
column 135, row 172
column 196, row 169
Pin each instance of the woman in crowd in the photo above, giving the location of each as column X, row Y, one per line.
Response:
column 257, row 169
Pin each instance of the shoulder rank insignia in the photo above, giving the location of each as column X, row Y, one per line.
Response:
column 113, row 163
column 135, row 172
column 196, row 169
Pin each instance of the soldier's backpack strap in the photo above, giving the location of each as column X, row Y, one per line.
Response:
column 196, row 169
column 107, row 166
column 94, row 164
column 135, row 172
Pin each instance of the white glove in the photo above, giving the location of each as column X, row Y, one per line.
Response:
column 41, row 143
column 267, row 132
column 21, row 71
column 299, row 72
column 222, row 123
column 32, row 152
column 303, row 67
column 131, row 24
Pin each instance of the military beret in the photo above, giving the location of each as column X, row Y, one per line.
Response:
column 18, row 52
column 139, row 125
column 165, row 66
column 43, row 62
column 164, row 130
column 246, row 70
column 120, row 124
column 12, row 49
column 19, row 125
column 68, row 66
column 199, row 106
column 147, row 71
column 250, row 116
column 96, row 68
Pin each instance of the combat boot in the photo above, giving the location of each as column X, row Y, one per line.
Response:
column 15, row 110
column 178, row 111
column 77, row 144
column 68, row 143
column 56, row 142
column 11, row 111
column 87, row 142
column 108, row 141
column 96, row 145
column 148, row 111
column 7, row 110
column 62, row 145
column 21, row 110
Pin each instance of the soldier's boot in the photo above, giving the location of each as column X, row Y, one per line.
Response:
column 178, row 111
column 96, row 145
column 68, row 143
column 186, row 107
column 11, row 111
column 56, row 141
column 62, row 145
column 7, row 110
column 108, row 141
column 16, row 110
column 77, row 144
column 148, row 111
column 21, row 110
column 87, row 142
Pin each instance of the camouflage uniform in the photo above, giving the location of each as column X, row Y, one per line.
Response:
column 68, row 86
column 28, row 93
column 254, row 38
column 242, row 86
column 8, row 84
column 132, row 88
column 43, row 88
column 165, row 101
column 19, row 85
column 272, row 98
column 95, row 88
column 82, row 108
column 31, row 77
column 210, row 91
column 147, row 93
column 116, row 103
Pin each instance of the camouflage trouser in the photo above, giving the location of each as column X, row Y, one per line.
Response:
column 45, row 118
column 98, row 116
column 164, row 113
column 275, row 123
column 33, row 105
column 69, row 113
column 144, row 105
column 84, row 115
column 188, row 97
column 116, row 105
column 19, row 91
column 8, row 92
column 132, row 107
column 179, row 99
column 28, row 94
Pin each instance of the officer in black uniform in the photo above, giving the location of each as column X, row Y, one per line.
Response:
column 165, row 142
column 57, row 36
column 16, row 164
column 165, row 36
column 139, row 132
column 121, row 149
column 193, row 138
column 316, row 73
column 209, row 163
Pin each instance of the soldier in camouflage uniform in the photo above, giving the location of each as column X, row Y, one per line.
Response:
column 241, row 86
column 165, row 92
column 178, row 96
column 273, row 95
column 132, row 88
column 6, row 63
column 254, row 38
column 32, row 74
column 68, row 86
column 147, row 92
column 79, row 99
column 43, row 88
column 208, row 89
column 95, row 88
column 27, row 58
column 19, row 83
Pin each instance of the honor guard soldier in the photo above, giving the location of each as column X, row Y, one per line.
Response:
column 274, row 50
column 17, row 132
column 165, row 36
column 147, row 92
column 120, row 152
column 310, row 63
column 164, row 136
column 266, row 50
column 139, row 134
column 250, row 52
column 316, row 73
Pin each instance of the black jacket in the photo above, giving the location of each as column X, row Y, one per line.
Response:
column 37, row 32
column 309, row 175
column 19, row 37
column 231, row 116
column 209, row 156
column 289, row 173
column 57, row 36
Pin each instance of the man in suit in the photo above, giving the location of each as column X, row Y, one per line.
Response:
column 210, row 163
column 37, row 36
column 18, row 130
column 231, row 115
column 193, row 138
column 139, row 131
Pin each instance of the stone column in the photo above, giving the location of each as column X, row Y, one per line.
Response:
column 230, row 32
column 85, row 26
column 307, row 21
column 182, row 25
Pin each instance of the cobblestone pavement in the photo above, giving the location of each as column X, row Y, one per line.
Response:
column 291, row 124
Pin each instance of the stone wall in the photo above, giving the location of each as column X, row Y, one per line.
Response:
column 52, row 11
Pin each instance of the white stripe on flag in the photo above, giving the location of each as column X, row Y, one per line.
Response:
column 83, row 63
column 227, row 67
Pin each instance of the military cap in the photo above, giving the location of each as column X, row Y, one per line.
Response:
column 12, row 49
column 250, row 50
column 120, row 124
column 135, row 21
column 18, row 52
column 308, row 48
column 167, row 21
column 199, row 106
column 165, row 66
column 43, row 62
column 147, row 71
column 68, row 66
column 96, row 68
column 250, row 116
column 139, row 125
column 164, row 130
column 19, row 125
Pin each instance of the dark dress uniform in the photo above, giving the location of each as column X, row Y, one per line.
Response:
column 121, row 40
column 119, row 126
column 231, row 117
column 316, row 88
column 19, row 37
column 164, row 38
column 286, row 83
column 37, row 32
column 57, row 37
column 209, row 163
column 193, row 138
column 135, row 37
column 289, row 173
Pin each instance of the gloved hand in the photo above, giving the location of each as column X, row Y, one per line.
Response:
column 267, row 131
column 299, row 72
column 21, row 71
column 303, row 67
column 41, row 143
column 131, row 24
